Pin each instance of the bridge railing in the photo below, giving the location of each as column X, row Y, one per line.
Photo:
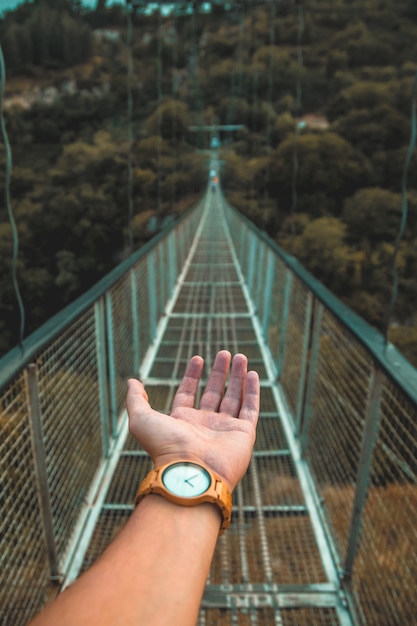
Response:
column 61, row 398
column 351, row 402
column 352, row 405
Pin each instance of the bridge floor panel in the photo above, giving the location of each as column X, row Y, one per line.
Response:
column 271, row 542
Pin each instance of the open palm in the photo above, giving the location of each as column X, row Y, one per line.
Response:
column 219, row 434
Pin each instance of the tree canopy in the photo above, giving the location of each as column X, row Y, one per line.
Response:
column 317, row 162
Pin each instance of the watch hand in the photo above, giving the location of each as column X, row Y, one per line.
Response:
column 187, row 480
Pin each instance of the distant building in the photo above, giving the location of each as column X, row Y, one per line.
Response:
column 104, row 34
column 314, row 121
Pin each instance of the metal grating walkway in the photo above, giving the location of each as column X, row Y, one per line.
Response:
column 271, row 567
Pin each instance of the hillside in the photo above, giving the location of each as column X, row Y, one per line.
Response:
column 333, row 90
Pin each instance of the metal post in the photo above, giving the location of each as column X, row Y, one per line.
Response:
column 152, row 296
column 180, row 245
column 102, row 376
column 111, row 363
column 243, row 232
column 135, row 322
column 251, row 266
column 305, row 357
column 371, row 426
column 284, row 320
column 260, row 284
column 160, row 279
column 41, row 471
column 172, row 264
column 304, row 413
column 269, row 281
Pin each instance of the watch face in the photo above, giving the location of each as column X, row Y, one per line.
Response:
column 186, row 480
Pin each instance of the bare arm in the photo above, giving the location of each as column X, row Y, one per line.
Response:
column 154, row 572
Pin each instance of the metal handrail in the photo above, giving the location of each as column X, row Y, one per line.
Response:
column 12, row 362
column 388, row 357
column 347, row 401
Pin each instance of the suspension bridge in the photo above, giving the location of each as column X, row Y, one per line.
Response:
column 317, row 536
column 323, row 522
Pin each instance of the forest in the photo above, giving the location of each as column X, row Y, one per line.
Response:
column 326, row 86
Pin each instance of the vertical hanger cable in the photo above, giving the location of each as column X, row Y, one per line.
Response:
column 159, row 103
column 129, row 127
column 403, row 221
column 15, row 235
column 297, row 114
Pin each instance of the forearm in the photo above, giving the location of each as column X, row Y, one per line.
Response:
column 152, row 574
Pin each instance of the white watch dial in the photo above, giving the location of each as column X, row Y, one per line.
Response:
column 186, row 480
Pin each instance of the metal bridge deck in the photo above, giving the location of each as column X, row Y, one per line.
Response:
column 270, row 567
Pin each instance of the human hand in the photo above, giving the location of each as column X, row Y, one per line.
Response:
column 220, row 433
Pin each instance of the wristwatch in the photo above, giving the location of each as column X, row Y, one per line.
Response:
column 188, row 484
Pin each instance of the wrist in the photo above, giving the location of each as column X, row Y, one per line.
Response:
column 188, row 484
column 165, row 459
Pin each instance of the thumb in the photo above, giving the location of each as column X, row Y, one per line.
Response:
column 137, row 399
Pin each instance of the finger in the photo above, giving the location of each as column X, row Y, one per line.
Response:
column 187, row 391
column 213, row 393
column 138, row 407
column 144, row 422
column 232, row 400
column 251, row 399
column 137, row 398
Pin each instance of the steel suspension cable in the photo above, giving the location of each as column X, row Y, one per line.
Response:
column 129, row 9
column 174, row 116
column 269, row 94
column 297, row 109
column 159, row 103
column 196, row 79
column 235, row 74
column 232, row 94
column 8, row 176
column 403, row 222
column 255, row 80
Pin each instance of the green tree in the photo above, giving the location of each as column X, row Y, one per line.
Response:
column 322, row 248
column 329, row 170
column 380, row 128
column 361, row 95
column 170, row 120
column 373, row 214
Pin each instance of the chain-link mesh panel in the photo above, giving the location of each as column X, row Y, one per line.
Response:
column 237, row 617
column 141, row 273
column 274, row 331
column 130, row 470
column 69, row 398
column 294, row 344
column 108, row 526
column 187, row 336
column 68, row 385
column 268, row 616
column 385, row 571
column 293, row 555
column 260, row 281
column 269, row 433
column 337, row 412
column 121, row 333
column 24, row 570
column 310, row 617
column 158, row 271
column 273, row 539
column 275, row 481
column 240, row 235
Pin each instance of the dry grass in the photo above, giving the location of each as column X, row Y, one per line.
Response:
column 385, row 571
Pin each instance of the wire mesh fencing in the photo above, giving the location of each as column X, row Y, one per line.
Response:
column 352, row 406
column 348, row 400
column 61, row 403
